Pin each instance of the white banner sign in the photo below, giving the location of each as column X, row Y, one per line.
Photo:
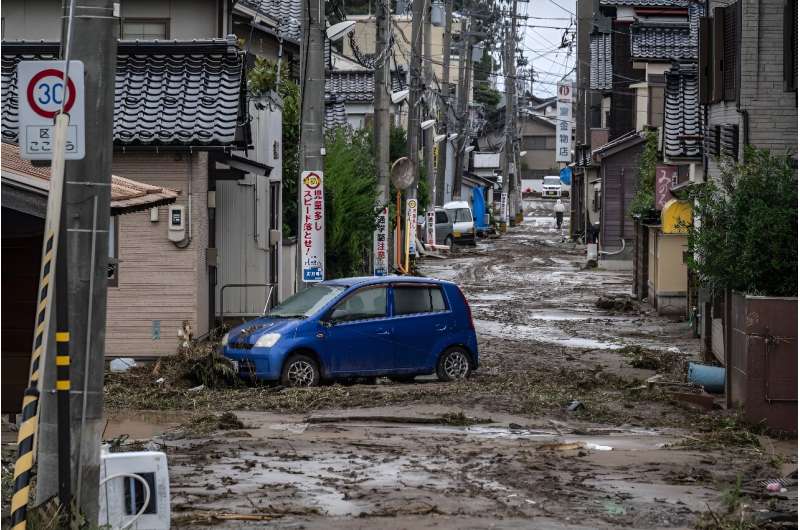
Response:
column 411, row 225
column 379, row 249
column 41, row 91
column 430, row 227
column 312, row 231
column 504, row 207
column 564, row 123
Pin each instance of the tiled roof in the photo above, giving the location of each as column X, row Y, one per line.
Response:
column 166, row 93
column 357, row 87
column 634, row 136
column 335, row 113
column 682, row 115
column 286, row 13
column 646, row 3
column 127, row 195
column 662, row 41
column 600, row 65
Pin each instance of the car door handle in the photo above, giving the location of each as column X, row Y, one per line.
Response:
column 441, row 327
column 384, row 332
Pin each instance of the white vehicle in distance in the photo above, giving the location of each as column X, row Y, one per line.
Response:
column 551, row 187
column 463, row 222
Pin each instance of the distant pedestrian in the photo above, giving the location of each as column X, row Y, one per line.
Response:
column 559, row 210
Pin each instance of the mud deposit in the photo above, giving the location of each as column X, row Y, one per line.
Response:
column 501, row 450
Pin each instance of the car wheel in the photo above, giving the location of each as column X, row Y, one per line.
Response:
column 402, row 378
column 453, row 364
column 448, row 242
column 300, row 370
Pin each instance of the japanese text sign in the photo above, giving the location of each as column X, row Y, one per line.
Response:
column 379, row 244
column 312, row 231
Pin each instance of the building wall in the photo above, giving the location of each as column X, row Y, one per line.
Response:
column 619, row 179
column 538, row 162
column 772, row 113
column 41, row 19
column 158, row 282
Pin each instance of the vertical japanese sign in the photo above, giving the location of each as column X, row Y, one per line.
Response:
column 380, row 255
column 666, row 177
column 411, row 225
column 313, row 229
column 504, row 207
column 564, row 123
column 430, row 227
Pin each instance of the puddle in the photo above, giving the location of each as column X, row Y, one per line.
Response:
column 141, row 425
column 545, row 334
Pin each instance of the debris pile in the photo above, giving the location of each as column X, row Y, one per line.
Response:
column 620, row 303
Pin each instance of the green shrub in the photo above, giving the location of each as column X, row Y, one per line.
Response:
column 747, row 237
column 350, row 192
column 644, row 201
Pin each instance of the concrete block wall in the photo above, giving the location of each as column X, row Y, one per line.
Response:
column 771, row 112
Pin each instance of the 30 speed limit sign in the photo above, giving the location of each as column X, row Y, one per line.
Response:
column 41, row 91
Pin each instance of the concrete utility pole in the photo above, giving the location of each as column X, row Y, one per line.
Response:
column 87, row 196
column 508, row 158
column 381, row 102
column 514, row 183
column 312, row 112
column 464, row 61
column 417, row 12
column 448, row 103
column 428, row 134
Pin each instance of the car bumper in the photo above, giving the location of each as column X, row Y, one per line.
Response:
column 464, row 237
column 263, row 364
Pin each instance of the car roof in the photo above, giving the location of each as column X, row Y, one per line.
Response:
column 456, row 204
column 367, row 280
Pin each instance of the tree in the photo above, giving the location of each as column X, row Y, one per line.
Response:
column 644, row 202
column 746, row 239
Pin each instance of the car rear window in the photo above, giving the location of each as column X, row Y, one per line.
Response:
column 410, row 300
column 441, row 217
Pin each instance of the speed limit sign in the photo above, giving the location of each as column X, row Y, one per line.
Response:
column 41, row 91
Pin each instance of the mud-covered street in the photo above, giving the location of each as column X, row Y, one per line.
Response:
column 559, row 428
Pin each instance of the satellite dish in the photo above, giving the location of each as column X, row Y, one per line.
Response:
column 402, row 173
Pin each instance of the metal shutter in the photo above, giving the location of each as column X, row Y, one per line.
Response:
column 718, row 45
column 705, row 60
column 730, row 51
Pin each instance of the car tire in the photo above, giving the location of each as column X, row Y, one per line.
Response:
column 448, row 241
column 453, row 364
column 300, row 370
column 402, row 378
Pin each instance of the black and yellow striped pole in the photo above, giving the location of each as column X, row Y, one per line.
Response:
column 26, row 437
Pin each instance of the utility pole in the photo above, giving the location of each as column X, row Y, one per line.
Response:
column 509, row 70
column 428, row 134
column 381, row 102
column 312, row 112
column 87, row 197
column 415, row 67
column 514, row 182
column 448, row 102
column 463, row 97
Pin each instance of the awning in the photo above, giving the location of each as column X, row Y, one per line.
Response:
column 127, row 196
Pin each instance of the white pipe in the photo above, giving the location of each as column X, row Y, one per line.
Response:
column 620, row 251
column 146, row 495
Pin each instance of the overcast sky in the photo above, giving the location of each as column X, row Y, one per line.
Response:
column 541, row 45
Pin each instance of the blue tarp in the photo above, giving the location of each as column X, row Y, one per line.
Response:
column 478, row 207
column 566, row 176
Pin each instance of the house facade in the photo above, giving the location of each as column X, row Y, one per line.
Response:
column 183, row 120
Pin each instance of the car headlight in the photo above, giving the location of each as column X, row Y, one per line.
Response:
column 268, row 340
column 224, row 341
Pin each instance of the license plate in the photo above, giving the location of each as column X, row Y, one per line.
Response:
column 235, row 365
column 457, row 234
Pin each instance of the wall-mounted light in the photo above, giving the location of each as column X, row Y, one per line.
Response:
column 523, row 153
column 452, row 137
column 438, row 138
column 427, row 124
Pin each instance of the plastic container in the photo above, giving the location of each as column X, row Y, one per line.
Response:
column 712, row 378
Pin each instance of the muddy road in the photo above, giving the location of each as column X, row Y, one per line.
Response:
column 557, row 429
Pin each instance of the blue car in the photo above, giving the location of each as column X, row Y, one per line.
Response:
column 395, row 326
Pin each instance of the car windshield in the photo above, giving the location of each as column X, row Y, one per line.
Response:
column 306, row 302
column 462, row 215
column 552, row 181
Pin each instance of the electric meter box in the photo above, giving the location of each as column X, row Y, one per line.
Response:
column 122, row 497
column 177, row 223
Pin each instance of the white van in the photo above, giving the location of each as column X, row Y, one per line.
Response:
column 551, row 187
column 463, row 223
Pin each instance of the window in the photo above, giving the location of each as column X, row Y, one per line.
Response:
column 145, row 28
column 461, row 215
column 790, row 45
column 369, row 302
column 306, row 302
column 412, row 299
column 441, row 218
column 718, row 55
column 113, row 252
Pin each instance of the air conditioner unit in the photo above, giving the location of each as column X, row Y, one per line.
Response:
column 131, row 484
